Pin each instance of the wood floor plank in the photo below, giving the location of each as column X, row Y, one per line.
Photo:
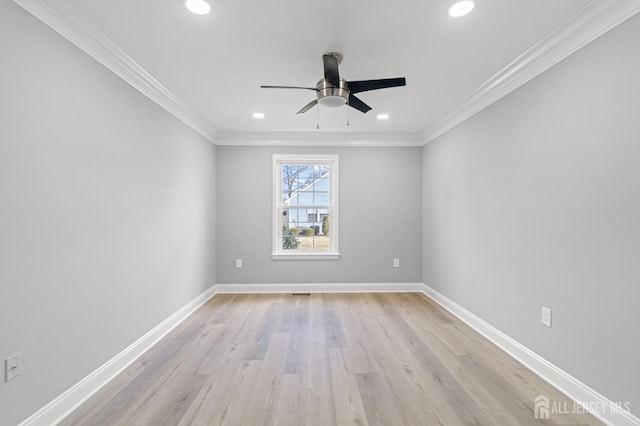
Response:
column 172, row 406
column 216, row 395
column 234, row 408
column 380, row 405
column 333, row 322
column 262, row 406
column 425, row 388
column 203, row 401
column 292, row 400
column 220, row 350
column 253, row 321
column 318, row 344
column 363, row 318
column 222, row 306
column 410, row 397
column 225, row 400
column 362, row 352
column 346, row 394
column 267, row 325
column 319, row 407
column 400, row 334
column 323, row 359
column 298, row 347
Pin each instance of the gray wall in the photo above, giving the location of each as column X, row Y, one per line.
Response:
column 107, row 213
column 380, row 204
column 536, row 201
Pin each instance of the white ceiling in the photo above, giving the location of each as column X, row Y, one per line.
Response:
column 212, row 66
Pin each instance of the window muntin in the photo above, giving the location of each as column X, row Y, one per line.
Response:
column 305, row 193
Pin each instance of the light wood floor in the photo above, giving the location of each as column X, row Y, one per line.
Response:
column 324, row 359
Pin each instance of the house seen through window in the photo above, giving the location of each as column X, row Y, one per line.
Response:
column 305, row 208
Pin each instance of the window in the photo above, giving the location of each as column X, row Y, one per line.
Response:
column 305, row 213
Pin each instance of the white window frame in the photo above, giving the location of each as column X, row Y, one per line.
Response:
column 277, row 251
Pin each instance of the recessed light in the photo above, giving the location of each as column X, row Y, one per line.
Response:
column 461, row 8
column 382, row 116
column 258, row 115
column 199, row 7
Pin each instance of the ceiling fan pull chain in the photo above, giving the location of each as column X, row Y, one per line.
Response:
column 318, row 117
column 348, row 124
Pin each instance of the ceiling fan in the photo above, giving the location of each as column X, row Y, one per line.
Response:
column 334, row 91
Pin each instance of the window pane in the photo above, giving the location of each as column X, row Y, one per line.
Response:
column 305, row 229
column 305, row 184
column 295, row 177
column 305, row 198
column 320, row 199
column 289, row 229
column 322, row 184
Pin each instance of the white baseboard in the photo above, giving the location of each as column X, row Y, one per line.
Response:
column 608, row 411
column 320, row 288
column 63, row 405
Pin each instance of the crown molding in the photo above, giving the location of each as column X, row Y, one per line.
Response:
column 318, row 139
column 590, row 22
column 60, row 16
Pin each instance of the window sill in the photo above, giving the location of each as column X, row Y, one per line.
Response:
column 306, row 256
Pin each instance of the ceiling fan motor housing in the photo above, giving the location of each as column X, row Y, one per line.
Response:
column 332, row 96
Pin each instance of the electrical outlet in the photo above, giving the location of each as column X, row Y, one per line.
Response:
column 238, row 263
column 546, row 316
column 12, row 367
column 396, row 263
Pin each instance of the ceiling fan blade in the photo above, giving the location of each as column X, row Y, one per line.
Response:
column 364, row 85
column 358, row 104
column 289, row 87
column 308, row 106
column 331, row 73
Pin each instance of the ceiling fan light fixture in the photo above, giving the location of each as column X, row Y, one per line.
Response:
column 330, row 95
column 382, row 116
column 332, row 101
column 461, row 8
column 199, row 7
